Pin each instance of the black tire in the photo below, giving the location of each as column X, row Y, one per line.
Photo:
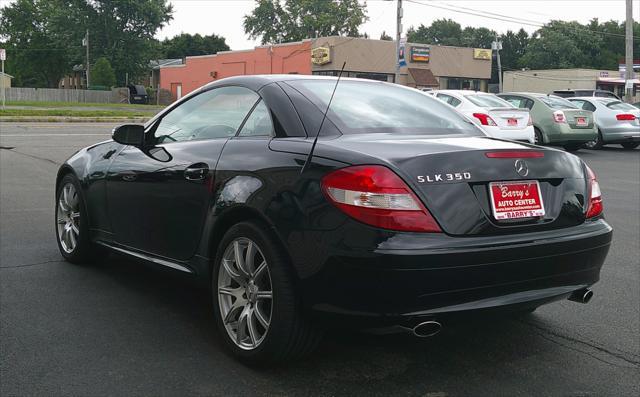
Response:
column 291, row 334
column 630, row 145
column 84, row 251
column 572, row 147
column 539, row 138
column 596, row 144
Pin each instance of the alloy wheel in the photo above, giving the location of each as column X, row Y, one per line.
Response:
column 68, row 218
column 245, row 296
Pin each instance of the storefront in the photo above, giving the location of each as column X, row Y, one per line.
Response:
column 423, row 66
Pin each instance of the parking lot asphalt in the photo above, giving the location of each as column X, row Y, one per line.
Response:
column 121, row 328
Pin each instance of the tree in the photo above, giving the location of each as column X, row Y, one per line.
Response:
column 278, row 21
column 560, row 44
column 441, row 32
column 47, row 36
column 477, row 37
column 102, row 73
column 186, row 45
column 385, row 36
column 35, row 58
column 513, row 48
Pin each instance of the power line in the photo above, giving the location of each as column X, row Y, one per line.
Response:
column 507, row 18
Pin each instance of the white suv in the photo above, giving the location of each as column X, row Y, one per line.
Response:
column 497, row 117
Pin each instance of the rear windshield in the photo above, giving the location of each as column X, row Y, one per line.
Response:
column 488, row 101
column 617, row 105
column 555, row 102
column 365, row 107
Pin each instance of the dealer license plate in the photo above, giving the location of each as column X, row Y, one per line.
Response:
column 513, row 200
column 137, row 97
column 512, row 122
column 581, row 121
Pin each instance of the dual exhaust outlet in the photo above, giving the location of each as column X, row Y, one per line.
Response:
column 430, row 328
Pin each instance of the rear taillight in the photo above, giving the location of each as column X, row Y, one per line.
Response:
column 530, row 122
column 374, row 195
column 485, row 119
column 595, row 206
column 558, row 116
column 625, row 117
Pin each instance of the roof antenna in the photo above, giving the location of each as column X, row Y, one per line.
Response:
column 324, row 116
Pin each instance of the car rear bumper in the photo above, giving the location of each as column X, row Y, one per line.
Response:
column 523, row 135
column 411, row 277
column 563, row 134
column 621, row 134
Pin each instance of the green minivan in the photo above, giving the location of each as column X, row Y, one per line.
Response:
column 556, row 121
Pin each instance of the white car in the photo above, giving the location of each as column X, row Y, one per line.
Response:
column 497, row 117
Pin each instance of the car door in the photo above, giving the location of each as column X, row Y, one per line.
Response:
column 158, row 195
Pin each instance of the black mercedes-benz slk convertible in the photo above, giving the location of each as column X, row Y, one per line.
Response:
column 403, row 216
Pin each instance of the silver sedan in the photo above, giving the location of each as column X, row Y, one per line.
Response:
column 618, row 122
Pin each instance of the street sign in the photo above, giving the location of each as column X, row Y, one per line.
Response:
column 3, row 54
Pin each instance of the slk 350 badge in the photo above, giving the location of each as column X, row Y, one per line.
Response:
column 456, row 176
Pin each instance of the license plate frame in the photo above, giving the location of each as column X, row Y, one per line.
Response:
column 512, row 206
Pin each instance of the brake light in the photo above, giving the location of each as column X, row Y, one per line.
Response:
column 595, row 205
column 558, row 116
column 374, row 195
column 530, row 122
column 625, row 117
column 485, row 119
column 514, row 154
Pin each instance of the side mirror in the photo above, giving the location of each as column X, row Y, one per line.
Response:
column 129, row 134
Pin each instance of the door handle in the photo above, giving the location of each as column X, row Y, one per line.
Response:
column 196, row 172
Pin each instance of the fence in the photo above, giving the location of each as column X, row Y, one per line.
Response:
column 61, row 95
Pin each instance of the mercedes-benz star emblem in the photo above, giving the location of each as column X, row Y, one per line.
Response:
column 521, row 167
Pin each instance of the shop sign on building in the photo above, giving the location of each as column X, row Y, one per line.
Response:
column 482, row 53
column 321, row 56
column 420, row 54
column 401, row 49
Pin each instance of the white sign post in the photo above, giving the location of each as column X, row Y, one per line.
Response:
column 3, row 56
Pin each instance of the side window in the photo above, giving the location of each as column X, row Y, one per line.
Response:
column 212, row 114
column 449, row 99
column 517, row 102
column 588, row 106
column 528, row 104
column 578, row 103
column 259, row 122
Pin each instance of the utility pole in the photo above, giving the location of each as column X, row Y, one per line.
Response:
column 398, row 37
column 497, row 45
column 86, row 44
column 3, row 56
column 629, row 53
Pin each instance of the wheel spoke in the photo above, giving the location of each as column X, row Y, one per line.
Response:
column 232, row 273
column 75, row 230
column 248, row 258
column 61, row 221
column 239, row 259
column 62, row 206
column 72, row 238
column 228, row 291
column 251, row 326
column 233, row 311
column 241, row 332
column 261, row 268
column 260, row 317
column 264, row 295
column 75, row 215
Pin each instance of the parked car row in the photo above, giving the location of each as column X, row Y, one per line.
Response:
column 590, row 121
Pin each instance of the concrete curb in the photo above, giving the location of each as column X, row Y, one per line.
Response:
column 65, row 119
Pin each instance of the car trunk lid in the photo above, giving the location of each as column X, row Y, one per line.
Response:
column 452, row 177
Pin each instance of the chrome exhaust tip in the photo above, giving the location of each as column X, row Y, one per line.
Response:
column 582, row 295
column 427, row 329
